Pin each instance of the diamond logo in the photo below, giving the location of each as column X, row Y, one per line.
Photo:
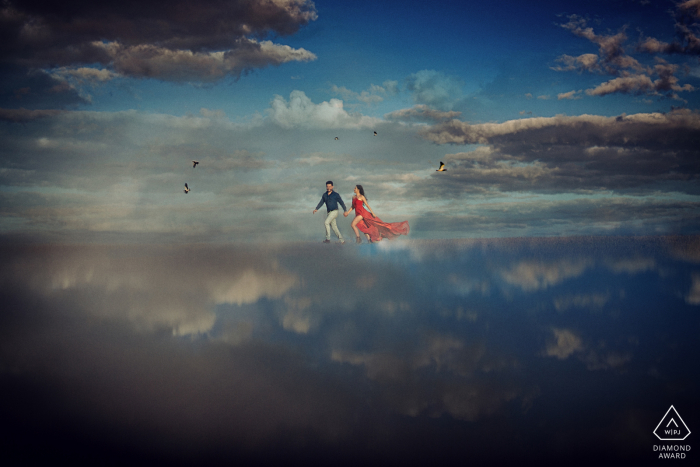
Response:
column 671, row 427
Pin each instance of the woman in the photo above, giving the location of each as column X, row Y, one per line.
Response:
column 373, row 227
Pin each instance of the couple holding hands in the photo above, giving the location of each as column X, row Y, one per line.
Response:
column 365, row 221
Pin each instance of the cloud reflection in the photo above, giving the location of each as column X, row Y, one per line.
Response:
column 536, row 275
column 280, row 352
column 151, row 288
column 693, row 296
column 566, row 343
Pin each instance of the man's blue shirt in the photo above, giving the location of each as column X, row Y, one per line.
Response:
column 331, row 201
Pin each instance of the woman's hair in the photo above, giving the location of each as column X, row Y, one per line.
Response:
column 362, row 191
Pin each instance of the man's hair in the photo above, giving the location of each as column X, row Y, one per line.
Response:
column 329, row 183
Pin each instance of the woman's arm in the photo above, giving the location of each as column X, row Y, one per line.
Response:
column 349, row 210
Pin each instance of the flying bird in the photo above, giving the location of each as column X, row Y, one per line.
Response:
column 194, row 164
column 375, row 133
column 336, row 138
column 442, row 168
column 187, row 189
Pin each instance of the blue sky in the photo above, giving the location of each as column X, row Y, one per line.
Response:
column 553, row 118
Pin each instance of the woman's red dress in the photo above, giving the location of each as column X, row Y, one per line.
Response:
column 374, row 226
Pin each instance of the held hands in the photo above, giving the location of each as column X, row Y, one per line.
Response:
column 346, row 213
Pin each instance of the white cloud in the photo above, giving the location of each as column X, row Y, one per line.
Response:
column 584, row 62
column 639, row 84
column 566, row 343
column 84, row 75
column 301, row 112
column 651, row 45
column 571, row 95
column 208, row 113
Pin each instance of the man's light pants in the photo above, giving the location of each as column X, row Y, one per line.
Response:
column 330, row 222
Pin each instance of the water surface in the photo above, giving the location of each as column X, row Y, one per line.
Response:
column 555, row 350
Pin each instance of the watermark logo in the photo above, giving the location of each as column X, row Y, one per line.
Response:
column 671, row 427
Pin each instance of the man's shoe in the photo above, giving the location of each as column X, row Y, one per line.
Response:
column 326, row 241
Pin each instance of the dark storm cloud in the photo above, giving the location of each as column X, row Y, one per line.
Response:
column 150, row 61
column 45, row 33
column 36, row 89
column 678, row 129
column 611, row 52
column 639, row 84
column 687, row 41
column 175, row 41
column 573, row 153
column 631, row 76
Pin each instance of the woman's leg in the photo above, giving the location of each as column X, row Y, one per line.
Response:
column 355, row 221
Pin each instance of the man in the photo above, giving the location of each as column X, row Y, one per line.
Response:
column 331, row 198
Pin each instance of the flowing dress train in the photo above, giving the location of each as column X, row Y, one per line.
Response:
column 374, row 226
